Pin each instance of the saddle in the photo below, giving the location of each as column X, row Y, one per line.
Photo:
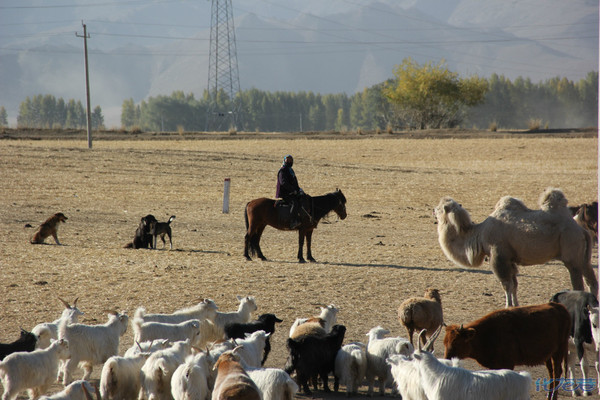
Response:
column 283, row 210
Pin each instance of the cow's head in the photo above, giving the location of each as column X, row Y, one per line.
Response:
column 458, row 341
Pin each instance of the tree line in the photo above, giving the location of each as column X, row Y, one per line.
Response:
column 46, row 111
column 413, row 99
column 417, row 97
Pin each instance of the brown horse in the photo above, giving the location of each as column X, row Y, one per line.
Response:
column 262, row 212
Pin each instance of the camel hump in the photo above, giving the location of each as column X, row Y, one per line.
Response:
column 552, row 199
column 511, row 203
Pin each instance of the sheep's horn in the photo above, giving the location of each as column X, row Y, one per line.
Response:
column 75, row 301
column 419, row 338
column 140, row 347
column 67, row 305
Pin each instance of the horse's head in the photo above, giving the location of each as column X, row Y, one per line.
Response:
column 340, row 207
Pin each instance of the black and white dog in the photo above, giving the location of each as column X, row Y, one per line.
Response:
column 162, row 229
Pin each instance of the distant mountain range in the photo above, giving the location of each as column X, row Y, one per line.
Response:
column 141, row 49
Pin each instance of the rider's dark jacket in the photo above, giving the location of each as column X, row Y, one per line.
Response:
column 287, row 183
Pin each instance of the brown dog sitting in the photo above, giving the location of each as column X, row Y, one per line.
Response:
column 49, row 228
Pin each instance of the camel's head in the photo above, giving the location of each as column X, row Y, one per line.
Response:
column 451, row 214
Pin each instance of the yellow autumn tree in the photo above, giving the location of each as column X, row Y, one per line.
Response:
column 432, row 96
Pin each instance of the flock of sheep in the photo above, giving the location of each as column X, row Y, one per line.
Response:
column 202, row 353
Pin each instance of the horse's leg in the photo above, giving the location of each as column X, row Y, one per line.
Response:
column 300, row 246
column 247, row 246
column 256, row 243
column 308, row 246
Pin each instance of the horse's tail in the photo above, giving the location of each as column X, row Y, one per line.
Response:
column 246, row 216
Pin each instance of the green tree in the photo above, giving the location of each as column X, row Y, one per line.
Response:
column 431, row 96
column 97, row 118
column 3, row 117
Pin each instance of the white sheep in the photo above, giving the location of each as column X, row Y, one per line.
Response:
column 120, row 377
column 145, row 331
column 273, row 383
column 34, row 371
column 350, row 367
column 318, row 326
column 417, row 313
column 91, row 344
column 72, row 392
column 252, row 348
column 242, row 315
column 406, row 376
column 48, row 331
column 379, row 348
column 147, row 347
column 206, row 309
column 190, row 381
column 158, row 370
column 442, row 382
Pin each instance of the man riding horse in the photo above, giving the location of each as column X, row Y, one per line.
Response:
column 289, row 190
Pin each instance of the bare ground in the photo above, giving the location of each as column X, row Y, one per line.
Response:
column 385, row 251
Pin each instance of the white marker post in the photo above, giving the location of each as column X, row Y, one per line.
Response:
column 226, row 196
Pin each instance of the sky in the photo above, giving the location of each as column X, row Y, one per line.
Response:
column 325, row 46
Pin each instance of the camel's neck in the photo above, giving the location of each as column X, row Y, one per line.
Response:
column 463, row 248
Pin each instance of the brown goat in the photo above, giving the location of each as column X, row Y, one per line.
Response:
column 233, row 383
column 419, row 313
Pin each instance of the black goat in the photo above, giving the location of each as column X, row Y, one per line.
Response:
column 265, row 322
column 577, row 302
column 26, row 342
column 312, row 356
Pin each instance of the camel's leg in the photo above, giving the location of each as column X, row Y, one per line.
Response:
column 590, row 278
column 301, row 246
column 505, row 271
column 308, row 246
column 575, row 273
column 515, row 285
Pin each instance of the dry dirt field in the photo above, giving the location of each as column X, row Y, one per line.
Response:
column 385, row 251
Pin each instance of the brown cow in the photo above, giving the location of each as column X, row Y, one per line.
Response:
column 529, row 335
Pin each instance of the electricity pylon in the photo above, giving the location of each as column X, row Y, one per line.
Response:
column 224, row 108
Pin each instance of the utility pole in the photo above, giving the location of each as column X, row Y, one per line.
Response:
column 87, row 86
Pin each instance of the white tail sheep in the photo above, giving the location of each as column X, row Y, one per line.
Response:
column 350, row 367
column 48, row 331
column 147, row 347
column 242, row 315
column 206, row 309
column 74, row 391
column 34, row 371
column 120, row 377
column 190, row 381
column 419, row 313
column 91, row 344
column 144, row 331
column 379, row 348
column 158, row 370
column 316, row 326
column 233, row 383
